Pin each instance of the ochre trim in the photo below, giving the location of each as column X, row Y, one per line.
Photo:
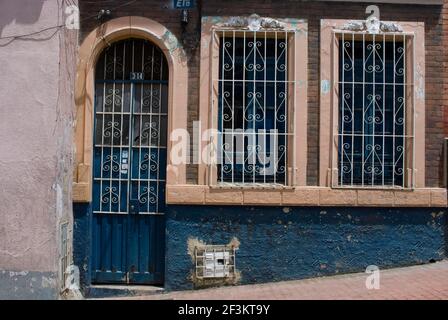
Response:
column 209, row 63
column 329, row 95
column 93, row 45
column 307, row 196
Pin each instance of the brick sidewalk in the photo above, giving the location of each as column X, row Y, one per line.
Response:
column 418, row 282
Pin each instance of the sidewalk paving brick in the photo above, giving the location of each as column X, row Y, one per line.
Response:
column 429, row 282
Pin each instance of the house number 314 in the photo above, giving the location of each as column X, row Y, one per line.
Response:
column 136, row 75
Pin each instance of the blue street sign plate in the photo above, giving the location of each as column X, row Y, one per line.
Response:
column 184, row 4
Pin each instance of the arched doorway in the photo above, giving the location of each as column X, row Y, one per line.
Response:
column 129, row 163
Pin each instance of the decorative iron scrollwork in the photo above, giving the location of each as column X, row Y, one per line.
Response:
column 110, row 195
column 149, row 162
column 114, row 66
column 113, row 98
column 112, row 130
column 151, row 98
column 152, row 64
column 111, row 163
column 150, row 129
column 148, row 196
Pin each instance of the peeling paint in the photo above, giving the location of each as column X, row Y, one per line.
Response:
column 48, row 282
column 15, row 274
column 171, row 41
column 420, row 84
column 24, row 285
column 59, row 201
column 194, row 243
column 325, row 87
column 204, row 43
column 301, row 84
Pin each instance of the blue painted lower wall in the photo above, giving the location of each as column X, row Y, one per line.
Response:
column 294, row 243
column 82, row 242
column 278, row 243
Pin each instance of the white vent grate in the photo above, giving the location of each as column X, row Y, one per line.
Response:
column 215, row 262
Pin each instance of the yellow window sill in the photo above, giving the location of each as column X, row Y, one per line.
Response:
column 305, row 196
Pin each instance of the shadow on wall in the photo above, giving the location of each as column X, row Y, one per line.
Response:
column 21, row 12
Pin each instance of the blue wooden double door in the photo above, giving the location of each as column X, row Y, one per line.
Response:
column 129, row 164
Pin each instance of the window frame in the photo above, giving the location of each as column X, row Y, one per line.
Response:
column 92, row 46
column 222, row 35
column 297, row 108
column 329, row 103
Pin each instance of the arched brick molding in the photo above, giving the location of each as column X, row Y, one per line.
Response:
column 91, row 48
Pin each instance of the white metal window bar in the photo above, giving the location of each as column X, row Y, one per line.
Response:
column 254, row 100
column 130, row 128
column 375, row 117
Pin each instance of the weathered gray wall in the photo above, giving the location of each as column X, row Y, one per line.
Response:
column 36, row 92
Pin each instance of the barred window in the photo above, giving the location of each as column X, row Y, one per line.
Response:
column 375, row 110
column 254, row 99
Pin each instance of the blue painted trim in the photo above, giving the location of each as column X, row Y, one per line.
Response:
column 82, row 242
column 131, row 81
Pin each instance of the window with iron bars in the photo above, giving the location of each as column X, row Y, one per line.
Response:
column 375, row 110
column 254, row 89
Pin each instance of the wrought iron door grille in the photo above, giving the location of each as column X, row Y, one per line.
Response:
column 130, row 129
column 253, row 102
column 375, row 115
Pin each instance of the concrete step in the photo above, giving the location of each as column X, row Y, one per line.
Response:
column 114, row 291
